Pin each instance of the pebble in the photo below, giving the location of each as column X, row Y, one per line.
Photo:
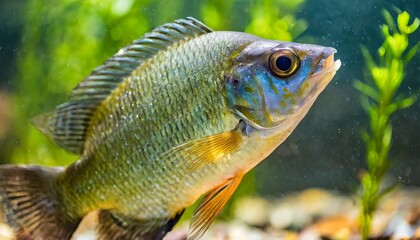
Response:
column 312, row 214
column 333, row 227
column 253, row 211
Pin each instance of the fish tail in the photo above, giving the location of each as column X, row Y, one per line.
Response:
column 31, row 204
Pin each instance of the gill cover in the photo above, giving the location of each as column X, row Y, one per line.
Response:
column 271, row 80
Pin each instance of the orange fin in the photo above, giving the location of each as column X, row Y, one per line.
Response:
column 211, row 206
column 197, row 153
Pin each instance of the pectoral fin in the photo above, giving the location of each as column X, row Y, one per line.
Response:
column 211, row 206
column 199, row 152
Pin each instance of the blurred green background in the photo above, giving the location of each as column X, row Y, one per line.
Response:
column 47, row 47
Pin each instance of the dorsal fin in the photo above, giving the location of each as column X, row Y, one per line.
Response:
column 68, row 124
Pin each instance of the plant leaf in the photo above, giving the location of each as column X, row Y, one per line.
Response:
column 387, row 190
column 411, row 53
column 366, row 89
column 365, row 103
column 402, row 21
column 413, row 27
column 389, row 20
column 405, row 103
column 368, row 57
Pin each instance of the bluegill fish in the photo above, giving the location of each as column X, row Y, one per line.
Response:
column 181, row 112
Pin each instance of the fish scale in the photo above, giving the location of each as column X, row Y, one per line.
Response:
column 180, row 113
column 193, row 115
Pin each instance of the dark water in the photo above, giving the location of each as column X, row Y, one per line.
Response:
column 326, row 149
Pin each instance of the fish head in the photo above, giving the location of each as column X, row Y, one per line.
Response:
column 271, row 81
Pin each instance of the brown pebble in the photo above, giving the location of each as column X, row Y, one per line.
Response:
column 335, row 227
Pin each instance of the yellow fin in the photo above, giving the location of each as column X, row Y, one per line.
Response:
column 211, row 206
column 197, row 153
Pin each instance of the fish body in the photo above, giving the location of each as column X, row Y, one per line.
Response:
column 182, row 112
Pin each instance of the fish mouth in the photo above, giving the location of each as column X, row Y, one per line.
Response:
column 329, row 61
column 324, row 71
column 322, row 75
column 321, row 78
column 325, row 61
column 327, row 73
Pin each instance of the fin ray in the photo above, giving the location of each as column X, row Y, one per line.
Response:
column 211, row 205
column 30, row 204
column 199, row 152
column 68, row 124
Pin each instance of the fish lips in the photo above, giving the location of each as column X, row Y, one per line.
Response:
column 326, row 60
column 324, row 71
column 318, row 81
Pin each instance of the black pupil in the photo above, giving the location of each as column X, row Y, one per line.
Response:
column 283, row 63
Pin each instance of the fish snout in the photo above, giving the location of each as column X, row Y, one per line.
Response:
column 328, row 55
column 326, row 60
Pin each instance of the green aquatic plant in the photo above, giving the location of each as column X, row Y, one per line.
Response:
column 64, row 42
column 275, row 19
column 60, row 46
column 380, row 100
column 215, row 13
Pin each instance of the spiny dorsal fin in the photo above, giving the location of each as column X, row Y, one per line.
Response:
column 68, row 124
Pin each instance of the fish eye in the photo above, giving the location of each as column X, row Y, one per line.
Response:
column 283, row 62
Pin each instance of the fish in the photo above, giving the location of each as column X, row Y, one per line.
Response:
column 182, row 113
